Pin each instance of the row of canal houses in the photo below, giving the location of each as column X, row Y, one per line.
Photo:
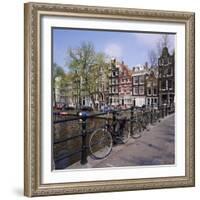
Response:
column 124, row 87
column 143, row 85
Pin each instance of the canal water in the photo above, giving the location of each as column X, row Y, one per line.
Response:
column 68, row 129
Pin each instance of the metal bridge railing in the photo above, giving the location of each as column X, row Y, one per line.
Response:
column 136, row 115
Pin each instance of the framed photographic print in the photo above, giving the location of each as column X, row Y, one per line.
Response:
column 109, row 99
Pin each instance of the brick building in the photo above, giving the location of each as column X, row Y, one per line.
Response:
column 152, row 87
column 166, row 71
column 113, row 77
column 125, row 86
column 120, row 85
column 139, row 85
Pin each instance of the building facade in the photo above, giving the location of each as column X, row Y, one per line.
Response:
column 139, row 85
column 102, row 95
column 113, row 83
column 152, row 87
column 121, row 87
column 166, row 78
column 125, row 86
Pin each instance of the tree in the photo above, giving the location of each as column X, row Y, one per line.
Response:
column 154, row 54
column 152, row 58
column 163, row 42
column 87, row 65
column 58, row 72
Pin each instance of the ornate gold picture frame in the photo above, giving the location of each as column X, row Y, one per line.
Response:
column 34, row 184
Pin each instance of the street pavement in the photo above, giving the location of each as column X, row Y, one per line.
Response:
column 156, row 146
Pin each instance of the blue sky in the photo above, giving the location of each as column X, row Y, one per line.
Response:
column 131, row 47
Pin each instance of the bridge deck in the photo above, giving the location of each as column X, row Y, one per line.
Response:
column 155, row 147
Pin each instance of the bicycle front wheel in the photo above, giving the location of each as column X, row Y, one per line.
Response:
column 100, row 143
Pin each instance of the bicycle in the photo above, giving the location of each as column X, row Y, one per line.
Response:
column 139, row 124
column 102, row 140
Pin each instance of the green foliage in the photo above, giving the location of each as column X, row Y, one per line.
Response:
column 87, row 67
column 57, row 71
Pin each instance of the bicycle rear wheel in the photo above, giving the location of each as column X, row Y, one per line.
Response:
column 100, row 143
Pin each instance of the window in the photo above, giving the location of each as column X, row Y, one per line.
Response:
column 141, row 90
column 155, row 100
column 155, row 91
column 149, row 84
column 169, row 71
column 135, row 90
column 170, row 84
column 114, row 73
column 148, row 101
column 165, row 61
column 154, row 83
column 165, row 71
column 163, row 84
column 149, row 91
column 135, row 80
column 141, row 79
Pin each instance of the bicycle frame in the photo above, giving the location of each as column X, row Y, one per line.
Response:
column 116, row 132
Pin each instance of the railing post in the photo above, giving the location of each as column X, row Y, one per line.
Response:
column 158, row 111
column 151, row 113
column 84, row 139
column 168, row 109
column 136, row 134
column 132, row 115
column 162, row 108
column 114, row 120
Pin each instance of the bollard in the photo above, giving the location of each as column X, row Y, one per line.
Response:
column 84, row 139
